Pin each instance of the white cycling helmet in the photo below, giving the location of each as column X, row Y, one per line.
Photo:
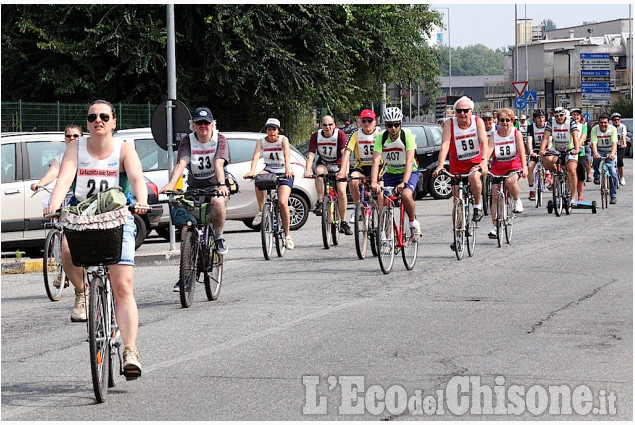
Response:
column 392, row 114
column 616, row 115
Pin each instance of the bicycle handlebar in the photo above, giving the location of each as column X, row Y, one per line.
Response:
column 345, row 179
column 460, row 176
column 210, row 191
column 506, row 176
column 131, row 208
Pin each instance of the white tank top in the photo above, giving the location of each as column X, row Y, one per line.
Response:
column 365, row 144
column 505, row 147
column 202, row 156
column 604, row 139
column 466, row 141
column 96, row 175
column 273, row 154
column 394, row 153
column 327, row 146
column 561, row 134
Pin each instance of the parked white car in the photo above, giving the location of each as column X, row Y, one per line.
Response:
column 241, row 206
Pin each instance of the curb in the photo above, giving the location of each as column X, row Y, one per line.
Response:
column 151, row 259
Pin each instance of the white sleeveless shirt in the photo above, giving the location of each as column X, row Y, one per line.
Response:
column 96, row 175
column 273, row 154
column 202, row 156
column 327, row 146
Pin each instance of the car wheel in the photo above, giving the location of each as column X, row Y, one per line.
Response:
column 441, row 187
column 298, row 211
column 141, row 231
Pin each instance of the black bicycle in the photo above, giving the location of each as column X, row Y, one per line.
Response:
column 271, row 229
column 366, row 219
column 560, row 186
column 200, row 260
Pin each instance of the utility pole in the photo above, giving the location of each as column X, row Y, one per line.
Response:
column 171, row 59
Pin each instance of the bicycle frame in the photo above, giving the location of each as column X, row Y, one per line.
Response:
column 393, row 201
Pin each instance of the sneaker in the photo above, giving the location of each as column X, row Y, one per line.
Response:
column 289, row 243
column 257, row 219
column 588, row 179
column 351, row 220
column 318, row 209
column 478, row 214
column 580, row 200
column 532, row 195
column 518, row 206
column 415, row 228
column 131, row 365
column 78, row 314
column 345, row 228
column 623, row 181
column 493, row 234
column 177, row 286
column 221, row 247
column 596, row 180
column 573, row 203
column 453, row 246
column 613, row 201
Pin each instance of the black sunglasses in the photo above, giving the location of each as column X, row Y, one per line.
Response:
column 393, row 125
column 74, row 136
column 367, row 121
column 462, row 111
column 504, row 120
column 93, row 117
column 327, row 124
column 203, row 122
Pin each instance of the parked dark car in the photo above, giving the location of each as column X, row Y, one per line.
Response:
column 428, row 137
column 628, row 122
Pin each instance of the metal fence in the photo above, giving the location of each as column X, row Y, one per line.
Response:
column 29, row 116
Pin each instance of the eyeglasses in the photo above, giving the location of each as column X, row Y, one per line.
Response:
column 272, row 128
column 462, row 111
column 93, row 117
column 504, row 120
column 327, row 124
column 367, row 121
column 202, row 122
column 72, row 136
column 393, row 124
column 488, row 119
column 560, row 115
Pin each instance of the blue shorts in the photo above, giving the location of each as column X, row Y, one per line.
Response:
column 394, row 179
column 127, row 246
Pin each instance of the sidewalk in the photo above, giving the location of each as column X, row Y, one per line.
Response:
column 34, row 265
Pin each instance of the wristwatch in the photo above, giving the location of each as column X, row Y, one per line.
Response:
column 222, row 184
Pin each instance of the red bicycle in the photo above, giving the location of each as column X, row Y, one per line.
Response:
column 393, row 235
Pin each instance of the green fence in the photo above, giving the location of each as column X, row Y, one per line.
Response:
column 29, row 116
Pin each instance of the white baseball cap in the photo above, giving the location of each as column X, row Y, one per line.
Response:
column 273, row 122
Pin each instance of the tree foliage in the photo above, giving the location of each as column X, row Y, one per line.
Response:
column 246, row 62
column 471, row 60
column 549, row 25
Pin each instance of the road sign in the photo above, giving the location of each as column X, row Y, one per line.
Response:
column 585, row 73
column 520, row 87
column 594, row 56
column 595, row 90
column 531, row 97
column 587, row 116
column 520, row 103
column 180, row 123
column 595, row 84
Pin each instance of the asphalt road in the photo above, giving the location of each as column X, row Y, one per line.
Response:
column 290, row 338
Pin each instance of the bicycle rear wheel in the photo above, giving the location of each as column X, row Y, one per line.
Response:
column 557, row 195
column 214, row 272
column 458, row 221
column 266, row 231
column 327, row 221
column 98, row 338
column 372, row 231
column 509, row 220
column 386, row 240
column 500, row 216
column 361, row 230
column 188, row 268
column 278, row 233
column 410, row 247
column 54, row 276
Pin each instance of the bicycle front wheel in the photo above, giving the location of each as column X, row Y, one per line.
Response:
column 266, row 231
column 470, row 239
column 487, row 187
column 604, row 189
column 98, row 338
column 214, row 272
column 279, row 233
column 410, row 247
column 501, row 216
column 335, row 226
column 54, row 275
column 361, row 230
column 372, row 231
column 509, row 221
column 557, row 195
column 188, row 268
column 327, row 220
column 458, row 221
column 386, row 240
column 539, row 182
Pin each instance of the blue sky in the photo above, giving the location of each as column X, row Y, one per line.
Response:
column 493, row 24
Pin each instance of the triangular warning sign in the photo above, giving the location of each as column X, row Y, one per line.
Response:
column 530, row 97
column 520, row 87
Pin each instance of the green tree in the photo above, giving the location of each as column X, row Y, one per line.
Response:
column 623, row 105
column 472, row 60
column 549, row 25
column 247, row 62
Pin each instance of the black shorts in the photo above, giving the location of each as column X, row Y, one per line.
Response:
column 620, row 156
column 364, row 169
column 581, row 169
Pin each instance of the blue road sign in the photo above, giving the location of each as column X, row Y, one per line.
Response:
column 531, row 97
column 595, row 84
column 594, row 56
column 520, row 103
column 587, row 116
column 595, row 73
column 595, row 90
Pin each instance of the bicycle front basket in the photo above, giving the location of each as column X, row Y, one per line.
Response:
column 95, row 240
column 266, row 181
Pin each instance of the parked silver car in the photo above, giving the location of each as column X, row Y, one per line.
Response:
column 241, row 206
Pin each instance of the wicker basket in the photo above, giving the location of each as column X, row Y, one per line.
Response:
column 95, row 240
